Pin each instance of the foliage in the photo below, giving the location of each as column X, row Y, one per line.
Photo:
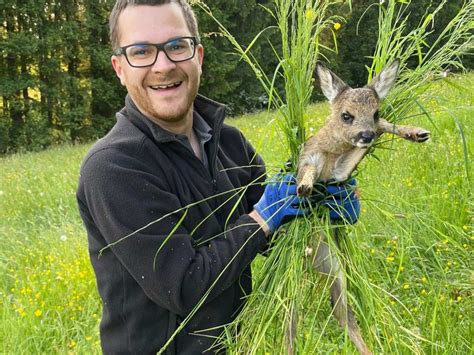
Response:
column 225, row 77
column 55, row 67
column 284, row 288
column 55, row 62
column 395, row 40
column 357, row 37
column 416, row 235
column 49, row 55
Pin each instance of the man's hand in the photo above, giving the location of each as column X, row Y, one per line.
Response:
column 342, row 201
column 279, row 203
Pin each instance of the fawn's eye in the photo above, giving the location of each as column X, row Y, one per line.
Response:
column 376, row 116
column 347, row 117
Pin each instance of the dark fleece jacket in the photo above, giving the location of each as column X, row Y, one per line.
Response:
column 192, row 238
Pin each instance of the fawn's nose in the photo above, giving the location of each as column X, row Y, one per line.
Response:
column 366, row 136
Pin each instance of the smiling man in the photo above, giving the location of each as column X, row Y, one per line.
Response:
column 161, row 63
column 184, row 187
column 172, row 198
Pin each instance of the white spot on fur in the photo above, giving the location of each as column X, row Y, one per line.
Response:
column 314, row 159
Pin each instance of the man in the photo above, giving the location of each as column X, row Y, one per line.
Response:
column 168, row 195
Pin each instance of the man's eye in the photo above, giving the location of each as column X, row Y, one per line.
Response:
column 139, row 51
column 178, row 45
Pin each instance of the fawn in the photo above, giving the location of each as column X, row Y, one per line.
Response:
column 333, row 154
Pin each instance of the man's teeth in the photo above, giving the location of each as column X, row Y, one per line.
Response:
column 165, row 86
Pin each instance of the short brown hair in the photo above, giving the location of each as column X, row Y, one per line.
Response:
column 121, row 5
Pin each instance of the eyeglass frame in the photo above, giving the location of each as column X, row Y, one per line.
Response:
column 160, row 48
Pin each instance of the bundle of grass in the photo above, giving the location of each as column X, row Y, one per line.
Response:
column 285, row 286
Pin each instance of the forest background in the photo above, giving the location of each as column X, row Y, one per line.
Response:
column 57, row 84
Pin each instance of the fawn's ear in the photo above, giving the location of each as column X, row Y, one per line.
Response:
column 331, row 85
column 385, row 79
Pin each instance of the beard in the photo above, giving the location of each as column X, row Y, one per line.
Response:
column 166, row 109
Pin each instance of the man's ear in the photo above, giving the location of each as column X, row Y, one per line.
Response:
column 200, row 55
column 117, row 68
column 331, row 85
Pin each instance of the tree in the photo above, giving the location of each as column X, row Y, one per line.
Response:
column 107, row 95
column 225, row 78
column 357, row 38
column 57, row 84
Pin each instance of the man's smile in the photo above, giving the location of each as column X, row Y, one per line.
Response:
column 166, row 86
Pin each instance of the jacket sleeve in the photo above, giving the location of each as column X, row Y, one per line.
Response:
column 121, row 198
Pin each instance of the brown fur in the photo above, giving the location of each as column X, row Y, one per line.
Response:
column 333, row 154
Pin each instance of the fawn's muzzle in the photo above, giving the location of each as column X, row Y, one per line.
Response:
column 365, row 138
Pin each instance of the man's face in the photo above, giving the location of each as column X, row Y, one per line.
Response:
column 165, row 91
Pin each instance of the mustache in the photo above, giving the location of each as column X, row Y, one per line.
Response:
column 162, row 79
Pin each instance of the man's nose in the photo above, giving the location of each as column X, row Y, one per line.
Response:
column 163, row 63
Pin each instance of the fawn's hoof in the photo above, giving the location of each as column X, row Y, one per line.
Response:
column 304, row 190
column 419, row 136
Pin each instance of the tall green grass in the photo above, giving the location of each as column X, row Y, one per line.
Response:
column 48, row 298
column 416, row 234
column 300, row 24
column 286, row 284
column 410, row 270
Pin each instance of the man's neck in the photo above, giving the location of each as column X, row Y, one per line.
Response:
column 183, row 126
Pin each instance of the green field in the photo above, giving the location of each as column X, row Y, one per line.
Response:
column 416, row 231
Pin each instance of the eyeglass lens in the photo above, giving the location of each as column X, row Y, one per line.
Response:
column 177, row 50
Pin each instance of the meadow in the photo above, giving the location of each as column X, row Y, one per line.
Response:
column 415, row 232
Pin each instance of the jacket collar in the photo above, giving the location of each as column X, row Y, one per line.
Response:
column 211, row 111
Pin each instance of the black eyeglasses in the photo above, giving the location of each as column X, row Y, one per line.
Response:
column 141, row 55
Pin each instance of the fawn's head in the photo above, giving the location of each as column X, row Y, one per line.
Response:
column 355, row 112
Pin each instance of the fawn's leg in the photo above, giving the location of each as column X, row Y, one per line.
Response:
column 290, row 334
column 347, row 163
column 309, row 169
column 327, row 263
column 411, row 133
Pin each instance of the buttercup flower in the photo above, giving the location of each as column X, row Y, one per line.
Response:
column 310, row 15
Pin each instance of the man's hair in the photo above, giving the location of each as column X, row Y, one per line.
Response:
column 121, row 5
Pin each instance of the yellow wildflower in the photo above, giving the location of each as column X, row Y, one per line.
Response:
column 310, row 15
column 337, row 26
column 72, row 344
column 38, row 313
